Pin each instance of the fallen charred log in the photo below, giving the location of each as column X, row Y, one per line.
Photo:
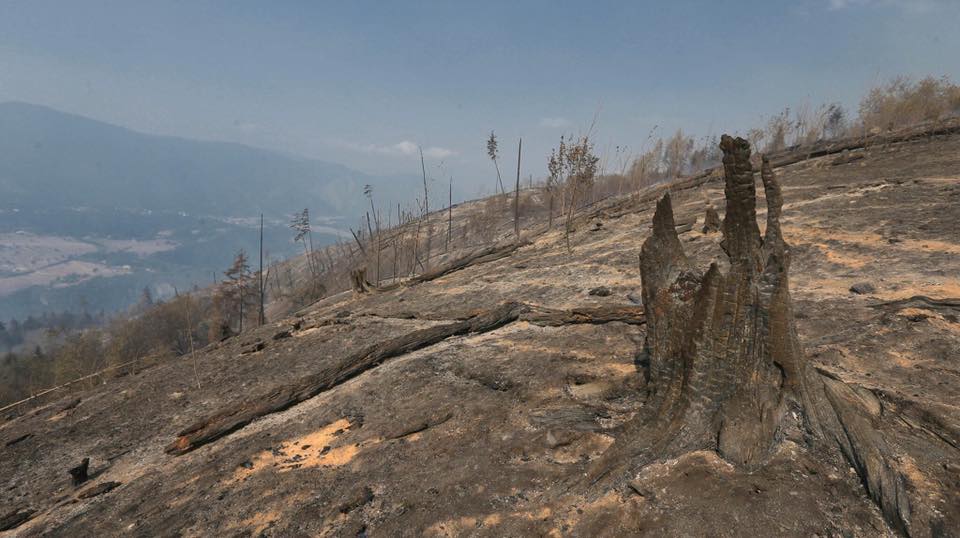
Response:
column 921, row 301
column 486, row 255
column 235, row 417
column 15, row 518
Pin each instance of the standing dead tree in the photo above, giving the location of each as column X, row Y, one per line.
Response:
column 261, row 317
column 235, row 292
column 726, row 370
column 449, row 214
column 493, row 153
column 516, row 194
column 300, row 223
column 368, row 192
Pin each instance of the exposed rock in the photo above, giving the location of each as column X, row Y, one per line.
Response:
column 360, row 498
column 863, row 288
column 601, row 291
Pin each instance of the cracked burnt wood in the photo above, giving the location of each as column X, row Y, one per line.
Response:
column 283, row 397
column 726, row 369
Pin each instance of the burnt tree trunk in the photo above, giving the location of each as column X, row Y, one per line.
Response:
column 711, row 220
column 79, row 473
column 725, row 362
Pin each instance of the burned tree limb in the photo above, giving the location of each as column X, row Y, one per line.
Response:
column 233, row 418
column 726, row 364
column 486, row 255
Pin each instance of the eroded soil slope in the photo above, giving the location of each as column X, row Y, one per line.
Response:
column 490, row 434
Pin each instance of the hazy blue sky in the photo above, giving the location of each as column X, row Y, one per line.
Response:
column 362, row 83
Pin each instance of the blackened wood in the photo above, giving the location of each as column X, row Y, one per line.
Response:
column 79, row 473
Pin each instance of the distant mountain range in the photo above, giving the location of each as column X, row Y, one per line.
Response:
column 91, row 213
column 50, row 159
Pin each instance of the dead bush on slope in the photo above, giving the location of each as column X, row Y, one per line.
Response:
column 901, row 102
column 484, row 222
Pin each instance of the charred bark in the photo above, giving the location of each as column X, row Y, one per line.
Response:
column 725, row 361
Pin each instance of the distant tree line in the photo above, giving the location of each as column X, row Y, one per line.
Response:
column 15, row 333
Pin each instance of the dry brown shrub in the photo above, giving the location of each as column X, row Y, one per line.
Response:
column 901, row 102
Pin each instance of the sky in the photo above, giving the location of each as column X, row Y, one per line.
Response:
column 366, row 84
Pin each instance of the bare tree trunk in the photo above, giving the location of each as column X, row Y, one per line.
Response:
column 359, row 242
column 398, row 245
column 193, row 351
column 378, row 249
column 570, row 211
column 426, row 195
column 516, row 194
column 313, row 269
column 260, row 319
column 449, row 213
column 550, row 210
column 416, row 242
column 499, row 179
column 241, row 309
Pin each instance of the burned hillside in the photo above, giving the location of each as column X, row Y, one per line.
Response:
column 793, row 373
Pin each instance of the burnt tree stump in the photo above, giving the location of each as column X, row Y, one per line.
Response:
column 711, row 220
column 79, row 473
column 359, row 282
column 726, row 367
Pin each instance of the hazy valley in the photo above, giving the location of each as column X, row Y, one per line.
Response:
column 91, row 214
